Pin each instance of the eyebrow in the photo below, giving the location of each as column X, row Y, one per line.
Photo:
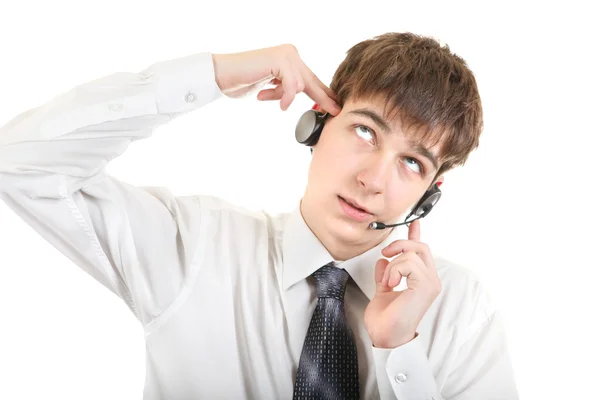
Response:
column 383, row 125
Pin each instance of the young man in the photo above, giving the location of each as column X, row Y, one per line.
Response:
column 307, row 304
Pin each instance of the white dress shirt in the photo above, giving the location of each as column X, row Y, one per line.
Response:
column 221, row 291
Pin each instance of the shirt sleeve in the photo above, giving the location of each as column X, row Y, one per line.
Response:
column 482, row 369
column 407, row 370
column 138, row 242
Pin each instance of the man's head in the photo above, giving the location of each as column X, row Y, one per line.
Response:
column 411, row 111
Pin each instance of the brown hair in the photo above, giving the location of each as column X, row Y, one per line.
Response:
column 431, row 89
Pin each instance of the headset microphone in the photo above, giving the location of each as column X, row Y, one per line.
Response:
column 308, row 131
column 423, row 207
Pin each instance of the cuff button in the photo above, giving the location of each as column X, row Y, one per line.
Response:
column 190, row 97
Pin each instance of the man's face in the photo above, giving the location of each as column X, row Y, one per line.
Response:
column 361, row 160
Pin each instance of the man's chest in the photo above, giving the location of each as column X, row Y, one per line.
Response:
column 237, row 331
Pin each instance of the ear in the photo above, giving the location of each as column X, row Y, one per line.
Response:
column 439, row 180
column 318, row 108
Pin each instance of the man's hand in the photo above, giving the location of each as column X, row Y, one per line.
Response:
column 391, row 318
column 239, row 73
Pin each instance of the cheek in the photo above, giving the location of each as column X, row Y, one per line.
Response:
column 339, row 158
column 399, row 197
column 330, row 155
column 322, row 170
column 342, row 151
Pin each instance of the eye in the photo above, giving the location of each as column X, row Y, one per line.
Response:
column 414, row 163
column 364, row 132
column 367, row 134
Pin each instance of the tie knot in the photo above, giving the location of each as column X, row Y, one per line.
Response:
column 331, row 282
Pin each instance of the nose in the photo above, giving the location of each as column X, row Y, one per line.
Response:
column 376, row 173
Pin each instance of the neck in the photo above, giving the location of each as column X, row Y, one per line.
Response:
column 341, row 249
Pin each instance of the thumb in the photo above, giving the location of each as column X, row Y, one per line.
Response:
column 382, row 263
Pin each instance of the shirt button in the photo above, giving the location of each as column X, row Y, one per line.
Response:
column 190, row 97
column 115, row 107
column 400, row 378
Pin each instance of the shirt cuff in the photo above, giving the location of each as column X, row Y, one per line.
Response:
column 404, row 372
column 185, row 83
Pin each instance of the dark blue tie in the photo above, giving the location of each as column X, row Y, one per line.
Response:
column 328, row 366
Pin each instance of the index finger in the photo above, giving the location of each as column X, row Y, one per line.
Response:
column 414, row 231
column 400, row 246
column 321, row 94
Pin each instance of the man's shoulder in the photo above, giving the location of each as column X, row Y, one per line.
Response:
column 463, row 287
column 237, row 213
column 453, row 271
column 461, row 311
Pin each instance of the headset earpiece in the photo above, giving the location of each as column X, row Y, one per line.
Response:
column 426, row 203
column 309, row 127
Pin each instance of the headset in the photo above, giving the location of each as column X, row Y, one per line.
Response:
column 308, row 130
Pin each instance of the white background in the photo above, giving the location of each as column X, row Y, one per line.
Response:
column 521, row 213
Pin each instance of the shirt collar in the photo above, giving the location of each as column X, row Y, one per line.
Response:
column 303, row 254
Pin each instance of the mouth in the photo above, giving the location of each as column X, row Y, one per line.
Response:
column 353, row 210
